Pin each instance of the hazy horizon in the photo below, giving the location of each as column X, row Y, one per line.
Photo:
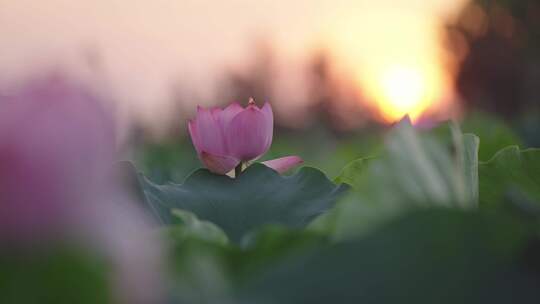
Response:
column 144, row 48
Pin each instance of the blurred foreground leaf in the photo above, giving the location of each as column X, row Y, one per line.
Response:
column 52, row 275
column 468, row 166
column 429, row 256
column 211, row 272
column 414, row 170
column 258, row 197
column 189, row 226
column 354, row 173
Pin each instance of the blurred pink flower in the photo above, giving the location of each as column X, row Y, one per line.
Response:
column 224, row 138
column 57, row 150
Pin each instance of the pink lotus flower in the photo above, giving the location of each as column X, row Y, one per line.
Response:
column 226, row 138
column 57, row 149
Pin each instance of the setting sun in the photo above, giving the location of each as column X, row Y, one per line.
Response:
column 399, row 89
column 397, row 61
column 402, row 91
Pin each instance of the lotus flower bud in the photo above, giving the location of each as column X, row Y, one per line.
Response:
column 225, row 138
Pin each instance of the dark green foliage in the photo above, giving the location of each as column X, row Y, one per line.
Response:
column 431, row 256
column 511, row 174
column 259, row 196
column 60, row 275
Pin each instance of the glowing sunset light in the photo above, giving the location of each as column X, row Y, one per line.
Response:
column 402, row 91
column 396, row 57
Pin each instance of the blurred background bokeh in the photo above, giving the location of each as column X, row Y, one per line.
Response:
column 336, row 72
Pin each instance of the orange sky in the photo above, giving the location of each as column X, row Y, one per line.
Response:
column 390, row 45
